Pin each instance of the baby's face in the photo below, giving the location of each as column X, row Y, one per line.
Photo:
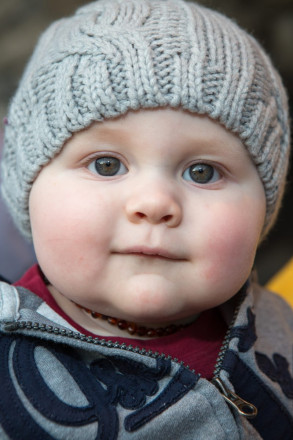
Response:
column 152, row 217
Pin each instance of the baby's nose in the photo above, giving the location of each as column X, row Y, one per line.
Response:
column 155, row 206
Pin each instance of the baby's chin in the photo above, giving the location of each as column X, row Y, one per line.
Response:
column 149, row 300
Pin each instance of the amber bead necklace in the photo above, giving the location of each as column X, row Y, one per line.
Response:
column 135, row 329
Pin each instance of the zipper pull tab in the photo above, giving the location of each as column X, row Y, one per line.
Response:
column 244, row 408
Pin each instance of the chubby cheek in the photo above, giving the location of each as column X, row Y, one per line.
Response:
column 66, row 229
column 231, row 244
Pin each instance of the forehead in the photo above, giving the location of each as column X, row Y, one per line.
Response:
column 170, row 129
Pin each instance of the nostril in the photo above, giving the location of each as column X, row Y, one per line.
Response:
column 167, row 218
column 140, row 215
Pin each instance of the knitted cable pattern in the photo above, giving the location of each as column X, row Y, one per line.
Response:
column 113, row 56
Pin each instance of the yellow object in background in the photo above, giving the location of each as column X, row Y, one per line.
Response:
column 282, row 282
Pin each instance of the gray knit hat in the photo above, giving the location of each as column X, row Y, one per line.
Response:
column 116, row 55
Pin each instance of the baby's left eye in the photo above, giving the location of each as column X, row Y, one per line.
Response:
column 201, row 173
column 107, row 166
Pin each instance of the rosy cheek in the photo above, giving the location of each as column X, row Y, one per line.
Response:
column 231, row 247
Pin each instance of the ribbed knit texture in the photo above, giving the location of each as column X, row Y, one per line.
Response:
column 116, row 55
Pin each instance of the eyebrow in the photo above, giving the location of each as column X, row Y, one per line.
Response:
column 107, row 132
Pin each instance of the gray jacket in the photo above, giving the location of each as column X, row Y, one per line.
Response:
column 56, row 383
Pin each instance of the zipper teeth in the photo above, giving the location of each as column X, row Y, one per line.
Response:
column 228, row 338
column 29, row 325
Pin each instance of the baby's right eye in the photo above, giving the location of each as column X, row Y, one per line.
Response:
column 107, row 166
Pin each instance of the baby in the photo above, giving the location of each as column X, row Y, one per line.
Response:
column 146, row 152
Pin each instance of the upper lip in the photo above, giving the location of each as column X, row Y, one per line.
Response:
column 151, row 252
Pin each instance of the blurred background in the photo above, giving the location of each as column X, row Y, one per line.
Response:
column 21, row 22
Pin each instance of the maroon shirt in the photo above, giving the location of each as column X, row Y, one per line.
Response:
column 197, row 345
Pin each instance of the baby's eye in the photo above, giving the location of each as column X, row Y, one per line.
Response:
column 107, row 166
column 201, row 173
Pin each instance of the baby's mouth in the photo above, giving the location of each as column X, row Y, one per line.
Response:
column 151, row 252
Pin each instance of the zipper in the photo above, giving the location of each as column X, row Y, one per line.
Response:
column 227, row 338
column 29, row 325
column 243, row 407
